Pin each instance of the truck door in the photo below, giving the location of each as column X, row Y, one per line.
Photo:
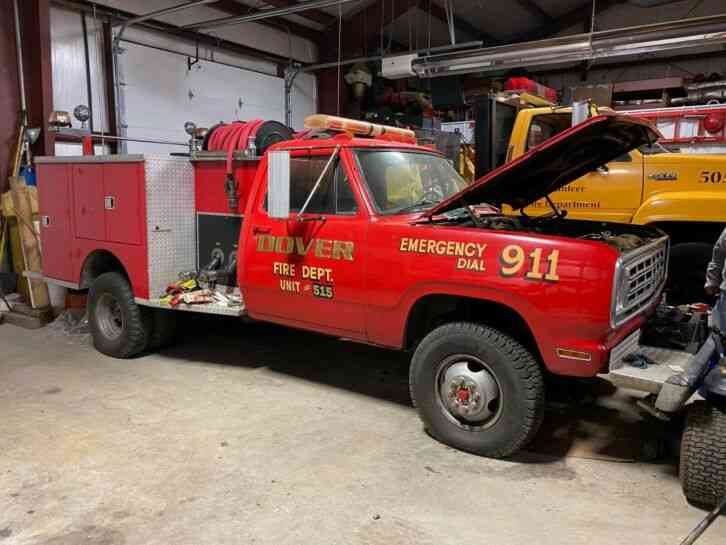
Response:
column 308, row 271
column 611, row 193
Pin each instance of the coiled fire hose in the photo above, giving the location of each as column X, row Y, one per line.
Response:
column 230, row 138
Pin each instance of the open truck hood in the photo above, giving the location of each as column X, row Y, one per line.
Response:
column 554, row 163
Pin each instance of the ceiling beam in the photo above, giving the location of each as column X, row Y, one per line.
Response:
column 234, row 8
column 534, row 9
column 573, row 17
column 316, row 15
column 429, row 6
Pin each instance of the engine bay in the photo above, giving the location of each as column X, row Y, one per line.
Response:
column 623, row 237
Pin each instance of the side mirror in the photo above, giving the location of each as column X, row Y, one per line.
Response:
column 278, row 184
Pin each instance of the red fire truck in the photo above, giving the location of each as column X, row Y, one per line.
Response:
column 353, row 230
column 374, row 239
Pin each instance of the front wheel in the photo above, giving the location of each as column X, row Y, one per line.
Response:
column 703, row 454
column 477, row 389
column 120, row 328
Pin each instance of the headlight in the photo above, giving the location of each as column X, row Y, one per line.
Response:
column 621, row 286
column 623, row 289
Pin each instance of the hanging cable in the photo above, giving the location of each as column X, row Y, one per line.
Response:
column 340, row 46
column 383, row 12
column 99, row 66
column 410, row 32
column 592, row 33
column 429, row 27
column 390, row 32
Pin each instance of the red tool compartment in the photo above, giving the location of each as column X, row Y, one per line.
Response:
column 209, row 178
column 223, row 175
column 217, row 225
column 54, row 202
column 94, row 208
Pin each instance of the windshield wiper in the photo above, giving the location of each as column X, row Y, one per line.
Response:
column 423, row 201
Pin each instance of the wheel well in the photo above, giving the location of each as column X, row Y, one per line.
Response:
column 433, row 311
column 97, row 263
column 691, row 231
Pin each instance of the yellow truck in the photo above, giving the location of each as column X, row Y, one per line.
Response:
column 682, row 194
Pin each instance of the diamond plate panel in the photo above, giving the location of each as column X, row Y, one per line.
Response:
column 170, row 220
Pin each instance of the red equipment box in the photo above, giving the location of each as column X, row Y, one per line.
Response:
column 531, row 86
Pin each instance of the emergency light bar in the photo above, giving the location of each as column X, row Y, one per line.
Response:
column 359, row 128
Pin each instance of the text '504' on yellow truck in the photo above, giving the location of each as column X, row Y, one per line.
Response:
column 684, row 195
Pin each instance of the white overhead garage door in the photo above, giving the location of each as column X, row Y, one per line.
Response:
column 160, row 93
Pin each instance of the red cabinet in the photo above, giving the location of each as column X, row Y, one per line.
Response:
column 121, row 193
column 54, row 202
column 88, row 201
column 107, row 201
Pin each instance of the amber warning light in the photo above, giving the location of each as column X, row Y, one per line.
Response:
column 359, row 128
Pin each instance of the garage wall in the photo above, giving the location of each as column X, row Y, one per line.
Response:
column 69, row 64
column 250, row 34
column 159, row 91
column 683, row 68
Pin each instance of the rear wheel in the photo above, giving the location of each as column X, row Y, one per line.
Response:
column 120, row 328
column 703, row 454
column 687, row 272
column 477, row 389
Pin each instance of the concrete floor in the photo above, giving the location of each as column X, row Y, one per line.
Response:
column 257, row 434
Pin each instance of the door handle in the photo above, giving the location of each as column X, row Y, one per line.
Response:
column 109, row 202
column 256, row 230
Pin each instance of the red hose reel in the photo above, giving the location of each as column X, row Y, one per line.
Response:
column 255, row 136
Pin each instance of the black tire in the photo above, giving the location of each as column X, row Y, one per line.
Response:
column 517, row 373
column 163, row 328
column 126, row 333
column 703, row 454
column 687, row 272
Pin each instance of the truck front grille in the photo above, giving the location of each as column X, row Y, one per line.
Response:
column 639, row 280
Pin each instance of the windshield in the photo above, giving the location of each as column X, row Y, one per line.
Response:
column 402, row 181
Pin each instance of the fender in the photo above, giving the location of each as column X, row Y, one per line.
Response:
column 686, row 206
column 95, row 259
column 381, row 329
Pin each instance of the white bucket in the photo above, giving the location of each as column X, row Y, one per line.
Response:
column 57, row 296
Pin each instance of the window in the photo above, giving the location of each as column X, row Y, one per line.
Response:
column 504, row 117
column 544, row 127
column 403, row 181
column 334, row 194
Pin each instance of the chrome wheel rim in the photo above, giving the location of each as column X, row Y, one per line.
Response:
column 109, row 317
column 468, row 392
